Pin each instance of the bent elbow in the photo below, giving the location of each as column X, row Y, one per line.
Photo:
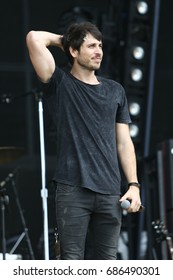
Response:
column 31, row 37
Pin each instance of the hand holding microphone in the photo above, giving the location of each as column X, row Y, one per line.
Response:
column 125, row 204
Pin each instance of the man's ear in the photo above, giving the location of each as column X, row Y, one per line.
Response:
column 73, row 52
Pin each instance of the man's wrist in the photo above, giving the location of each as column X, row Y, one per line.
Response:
column 135, row 184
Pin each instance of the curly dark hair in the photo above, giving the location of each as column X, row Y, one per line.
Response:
column 75, row 34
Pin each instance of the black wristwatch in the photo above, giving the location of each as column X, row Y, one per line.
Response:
column 136, row 184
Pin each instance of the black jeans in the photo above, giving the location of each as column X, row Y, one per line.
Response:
column 85, row 217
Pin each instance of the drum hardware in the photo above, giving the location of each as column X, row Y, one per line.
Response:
column 4, row 202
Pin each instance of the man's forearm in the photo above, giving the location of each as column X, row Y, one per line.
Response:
column 128, row 162
column 44, row 38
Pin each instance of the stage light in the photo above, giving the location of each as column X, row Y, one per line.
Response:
column 142, row 7
column 134, row 109
column 138, row 52
column 134, row 130
column 136, row 74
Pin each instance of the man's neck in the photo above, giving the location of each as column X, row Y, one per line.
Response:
column 85, row 76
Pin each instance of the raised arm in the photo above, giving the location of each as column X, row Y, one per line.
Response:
column 41, row 57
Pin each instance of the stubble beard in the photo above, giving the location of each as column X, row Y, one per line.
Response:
column 88, row 66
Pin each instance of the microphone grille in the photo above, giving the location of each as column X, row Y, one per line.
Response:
column 125, row 204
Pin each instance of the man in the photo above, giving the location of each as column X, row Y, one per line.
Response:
column 91, row 117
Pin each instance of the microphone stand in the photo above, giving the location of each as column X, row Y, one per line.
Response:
column 4, row 201
column 8, row 98
column 44, row 192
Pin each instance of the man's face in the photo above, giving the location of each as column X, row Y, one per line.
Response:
column 90, row 54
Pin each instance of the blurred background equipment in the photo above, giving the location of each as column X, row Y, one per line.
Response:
column 8, row 154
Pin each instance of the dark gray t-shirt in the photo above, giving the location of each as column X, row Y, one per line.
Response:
column 85, row 116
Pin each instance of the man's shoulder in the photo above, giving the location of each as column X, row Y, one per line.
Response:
column 109, row 82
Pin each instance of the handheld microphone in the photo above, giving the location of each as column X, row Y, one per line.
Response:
column 125, row 204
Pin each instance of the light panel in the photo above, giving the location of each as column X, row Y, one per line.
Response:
column 134, row 130
column 136, row 74
column 134, row 109
column 138, row 52
column 142, row 7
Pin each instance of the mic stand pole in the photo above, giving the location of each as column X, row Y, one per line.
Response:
column 44, row 192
